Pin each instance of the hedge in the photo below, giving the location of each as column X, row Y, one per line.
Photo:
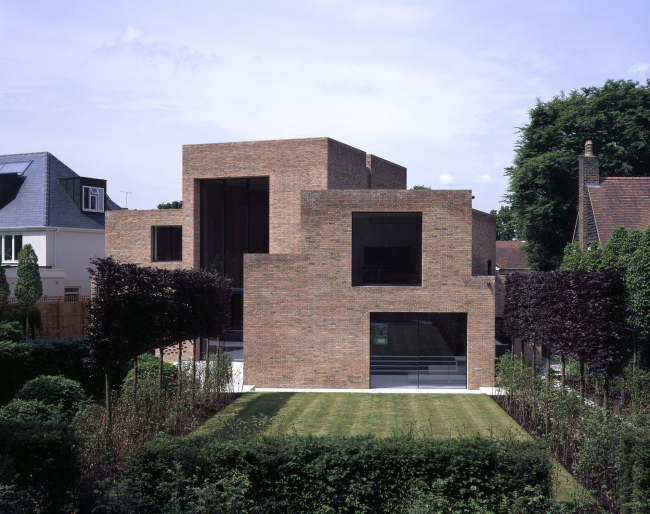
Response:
column 336, row 474
column 21, row 362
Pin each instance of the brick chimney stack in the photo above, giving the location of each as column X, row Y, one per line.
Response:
column 589, row 176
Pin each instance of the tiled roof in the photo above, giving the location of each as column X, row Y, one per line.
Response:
column 33, row 207
column 511, row 255
column 620, row 201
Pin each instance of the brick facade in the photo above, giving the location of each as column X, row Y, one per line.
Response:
column 304, row 323
column 306, row 326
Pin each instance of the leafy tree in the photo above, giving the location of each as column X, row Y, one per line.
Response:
column 29, row 287
column 638, row 283
column 418, row 188
column 593, row 259
column 630, row 246
column 614, row 248
column 506, row 224
column 572, row 257
column 4, row 287
column 176, row 204
column 543, row 188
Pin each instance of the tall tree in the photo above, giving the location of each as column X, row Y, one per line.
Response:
column 29, row 287
column 507, row 229
column 572, row 257
column 176, row 204
column 4, row 287
column 543, row 188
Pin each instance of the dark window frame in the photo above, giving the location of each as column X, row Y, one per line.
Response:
column 175, row 243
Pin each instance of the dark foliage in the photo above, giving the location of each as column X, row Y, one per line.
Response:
column 59, row 391
column 25, row 361
column 176, row 204
column 136, row 308
column 579, row 314
column 507, row 229
column 36, row 455
column 16, row 314
column 334, row 474
column 543, row 188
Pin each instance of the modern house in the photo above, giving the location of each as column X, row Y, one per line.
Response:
column 46, row 204
column 342, row 278
column 608, row 202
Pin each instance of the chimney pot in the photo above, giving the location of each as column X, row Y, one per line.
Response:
column 589, row 148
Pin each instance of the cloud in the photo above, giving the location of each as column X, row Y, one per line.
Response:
column 130, row 35
column 639, row 68
column 445, row 178
column 486, row 179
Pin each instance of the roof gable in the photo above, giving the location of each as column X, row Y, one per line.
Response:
column 511, row 255
column 620, row 201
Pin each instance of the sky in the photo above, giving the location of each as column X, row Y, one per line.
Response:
column 114, row 89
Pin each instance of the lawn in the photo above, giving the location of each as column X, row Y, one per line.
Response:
column 383, row 415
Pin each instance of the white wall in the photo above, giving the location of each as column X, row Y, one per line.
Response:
column 53, row 281
column 74, row 249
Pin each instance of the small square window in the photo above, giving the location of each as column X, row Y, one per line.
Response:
column 167, row 243
column 387, row 249
column 93, row 199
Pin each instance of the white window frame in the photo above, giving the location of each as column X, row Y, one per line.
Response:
column 13, row 252
column 95, row 193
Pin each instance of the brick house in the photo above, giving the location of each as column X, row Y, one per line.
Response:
column 608, row 202
column 61, row 214
column 342, row 278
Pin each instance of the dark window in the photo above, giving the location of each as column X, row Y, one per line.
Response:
column 386, row 248
column 167, row 243
column 418, row 349
column 234, row 221
column 12, row 246
column 489, row 266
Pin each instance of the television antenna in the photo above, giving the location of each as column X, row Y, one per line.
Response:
column 126, row 200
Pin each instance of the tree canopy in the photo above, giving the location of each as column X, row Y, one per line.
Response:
column 506, row 224
column 176, row 204
column 543, row 180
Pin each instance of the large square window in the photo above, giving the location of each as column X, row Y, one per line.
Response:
column 387, row 249
column 167, row 243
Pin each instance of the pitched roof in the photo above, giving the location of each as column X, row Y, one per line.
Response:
column 41, row 201
column 620, row 201
column 511, row 255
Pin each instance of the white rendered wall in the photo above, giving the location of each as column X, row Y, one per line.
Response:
column 74, row 249
column 53, row 281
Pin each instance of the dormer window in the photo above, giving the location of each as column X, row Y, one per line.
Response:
column 93, row 199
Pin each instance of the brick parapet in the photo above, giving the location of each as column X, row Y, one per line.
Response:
column 385, row 174
column 483, row 242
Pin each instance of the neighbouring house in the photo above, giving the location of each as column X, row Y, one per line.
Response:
column 46, row 204
column 608, row 202
column 342, row 278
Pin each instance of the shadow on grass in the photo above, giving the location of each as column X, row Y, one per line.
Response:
column 253, row 411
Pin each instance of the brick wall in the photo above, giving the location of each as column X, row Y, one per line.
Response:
column 346, row 167
column 306, row 326
column 385, row 174
column 484, row 234
column 128, row 234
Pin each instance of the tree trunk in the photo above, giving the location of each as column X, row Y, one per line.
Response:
column 582, row 383
column 160, row 370
column 206, row 377
column 180, row 366
column 218, row 367
column 634, row 353
column 27, row 325
column 532, row 368
column 563, row 358
column 548, row 370
column 135, row 376
column 194, row 366
column 606, row 398
column 109, row 406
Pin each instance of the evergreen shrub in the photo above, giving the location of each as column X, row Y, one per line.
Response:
column 54, row 390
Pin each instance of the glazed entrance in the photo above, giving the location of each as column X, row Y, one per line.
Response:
column 418, row 350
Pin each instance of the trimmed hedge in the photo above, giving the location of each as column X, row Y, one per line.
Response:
column 21, row 362
column 54, row 390
column 335, row 474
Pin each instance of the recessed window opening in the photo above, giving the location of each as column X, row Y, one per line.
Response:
column 11, row 246
column 167, row 243
column 386, row 248
column 489, row 267
column 93, row 199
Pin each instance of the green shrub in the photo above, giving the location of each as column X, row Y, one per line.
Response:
column 24, row 361
column 17, row 315
column 36, row 456
column 54, row 390
column 11, row 331
column 148, row 369
column 336, row 474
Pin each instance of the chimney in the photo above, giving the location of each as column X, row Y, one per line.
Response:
column 589, row 176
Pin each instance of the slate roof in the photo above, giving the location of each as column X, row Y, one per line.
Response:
column 511, row 255
column 620, row 201
column 41, row 201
